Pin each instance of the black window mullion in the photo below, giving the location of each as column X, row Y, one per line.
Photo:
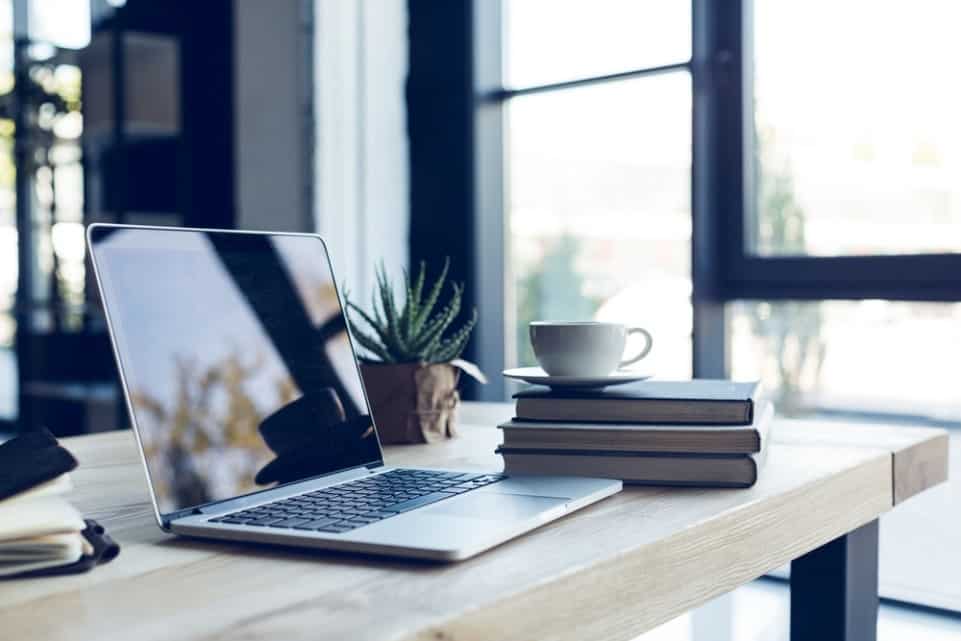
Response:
column 747, row 275
column 717, row 173
column 911, row 277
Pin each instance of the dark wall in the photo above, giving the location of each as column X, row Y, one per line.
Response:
column 207, row 92
column 179, row 174
column 440, row 127
column 190, row 175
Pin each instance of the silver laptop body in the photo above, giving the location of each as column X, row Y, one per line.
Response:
column 244, row 393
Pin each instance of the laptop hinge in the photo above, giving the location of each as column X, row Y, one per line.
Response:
column 167, row 519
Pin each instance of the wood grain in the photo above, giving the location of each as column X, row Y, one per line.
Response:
column 611, row 571
column 920, row 454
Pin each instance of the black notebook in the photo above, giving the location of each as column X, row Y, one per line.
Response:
column 694, row 402
column 693, row 470
column 640, row 437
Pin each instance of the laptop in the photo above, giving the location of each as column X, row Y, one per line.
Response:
column 249, row 409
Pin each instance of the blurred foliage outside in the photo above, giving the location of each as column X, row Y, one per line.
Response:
column 551, row 290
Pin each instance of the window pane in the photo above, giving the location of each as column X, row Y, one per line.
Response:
column 852, row 356
column 556, row 40
column 842, row 362
column 8, row 230
column 858, row 135
column 599, row 206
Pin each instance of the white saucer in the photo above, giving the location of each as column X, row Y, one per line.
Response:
column 537, row 376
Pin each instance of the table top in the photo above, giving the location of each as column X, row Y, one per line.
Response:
column 611, row 571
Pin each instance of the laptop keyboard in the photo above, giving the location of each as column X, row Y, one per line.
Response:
column 358, row 503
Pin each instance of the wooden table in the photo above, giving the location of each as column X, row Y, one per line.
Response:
column 611, row 571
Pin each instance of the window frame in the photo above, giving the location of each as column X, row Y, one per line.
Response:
column 495, row 329
column 723, row 269
column 749, row 276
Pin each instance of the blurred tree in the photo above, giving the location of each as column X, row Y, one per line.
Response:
column 212, row 409
column 791, row 331
column 551, row 290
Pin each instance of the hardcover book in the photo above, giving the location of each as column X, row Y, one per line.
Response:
column 696, row 470
column 699, row 401
column 638, row 437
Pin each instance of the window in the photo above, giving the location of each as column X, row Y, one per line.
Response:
column 45, row 173
column 859, row 147
column 771, row 187
column 8, row 230
column 867, row 358
column 597, row 162
column 828, row 176
column 846, row 249
column 599, row 213
column 552, row 41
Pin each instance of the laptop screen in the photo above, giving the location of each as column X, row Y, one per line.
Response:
column 236, row 360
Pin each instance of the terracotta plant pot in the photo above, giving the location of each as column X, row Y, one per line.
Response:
column 413, row 402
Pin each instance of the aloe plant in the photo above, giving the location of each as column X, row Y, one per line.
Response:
column 412, row 332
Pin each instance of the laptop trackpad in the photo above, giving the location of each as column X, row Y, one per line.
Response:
column 481, row 505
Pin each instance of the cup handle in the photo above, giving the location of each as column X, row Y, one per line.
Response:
column 647, row 348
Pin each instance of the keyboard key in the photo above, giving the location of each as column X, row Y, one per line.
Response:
column 363, row 519
column 289, row 523
column 427, row 499
column 362, row 501
column 382, row 514
column 467, row 477
column 457, row 489
column 316, row 524
column 339, row 516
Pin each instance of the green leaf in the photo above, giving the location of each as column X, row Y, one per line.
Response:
column 434, row 329
column 448, row 351
column 416, row 292
column 428, row 306
column 394, row 341
column 414, row 332
column 377, row 327
column 406, row 315
column 375, row 311
column 451, row 348
column 370, row 344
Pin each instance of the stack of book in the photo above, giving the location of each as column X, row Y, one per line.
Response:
column 708, row 433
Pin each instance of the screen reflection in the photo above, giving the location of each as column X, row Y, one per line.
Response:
column 236, row 359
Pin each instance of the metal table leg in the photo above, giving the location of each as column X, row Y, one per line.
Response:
column 834, row 589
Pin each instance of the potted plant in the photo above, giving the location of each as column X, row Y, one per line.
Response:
column 412, row 363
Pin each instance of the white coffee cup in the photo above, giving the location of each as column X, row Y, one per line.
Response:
column 573, row 348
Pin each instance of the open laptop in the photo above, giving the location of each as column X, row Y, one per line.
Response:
column 250, row 412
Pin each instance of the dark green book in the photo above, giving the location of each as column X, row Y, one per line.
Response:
column 691, row 470
column 640, row 437
column 694, row 402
